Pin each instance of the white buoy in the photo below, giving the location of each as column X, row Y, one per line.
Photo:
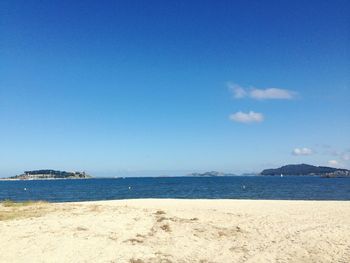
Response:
column 129, row 187
column 25, row 189
column 243, row 186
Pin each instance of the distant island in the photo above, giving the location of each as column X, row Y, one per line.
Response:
column 307, row 170
column 50, row 174
column 210, row 174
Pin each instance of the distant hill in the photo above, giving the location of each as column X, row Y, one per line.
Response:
column 306, row 169
column 50, row 174
column 210, row 174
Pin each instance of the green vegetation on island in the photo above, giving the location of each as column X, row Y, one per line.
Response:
column 50, row 174
column 307, row 170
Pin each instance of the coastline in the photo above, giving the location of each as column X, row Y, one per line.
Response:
column 42, row 179
column 180, row 230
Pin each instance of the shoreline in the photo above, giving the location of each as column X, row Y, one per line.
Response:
column 132, row 200
column 43, row 179
column 171, row 199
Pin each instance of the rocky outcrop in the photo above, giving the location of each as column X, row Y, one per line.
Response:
column 211, row 174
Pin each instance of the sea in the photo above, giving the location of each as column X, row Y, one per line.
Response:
column 233, row 187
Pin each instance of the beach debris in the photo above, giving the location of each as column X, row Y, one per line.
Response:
column 160, row 212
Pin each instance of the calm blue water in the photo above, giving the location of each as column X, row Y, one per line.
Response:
column 242, row 187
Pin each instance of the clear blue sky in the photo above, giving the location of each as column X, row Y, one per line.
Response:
column 168, row 87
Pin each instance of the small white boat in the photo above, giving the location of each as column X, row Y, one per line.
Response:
column 281, row 175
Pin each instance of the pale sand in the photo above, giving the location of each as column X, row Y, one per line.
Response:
column 156, row 230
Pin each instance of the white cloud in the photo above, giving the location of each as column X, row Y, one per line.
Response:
column 340, row 154
column 333, row 162
column 260, row 94
column 271, row 93
column 302, row 151
column 346, row 157
column 238, row 91
column 248, row 117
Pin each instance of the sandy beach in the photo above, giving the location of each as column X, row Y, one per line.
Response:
column 169, row 230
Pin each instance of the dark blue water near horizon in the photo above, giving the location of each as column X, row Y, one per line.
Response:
column 238, row 187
